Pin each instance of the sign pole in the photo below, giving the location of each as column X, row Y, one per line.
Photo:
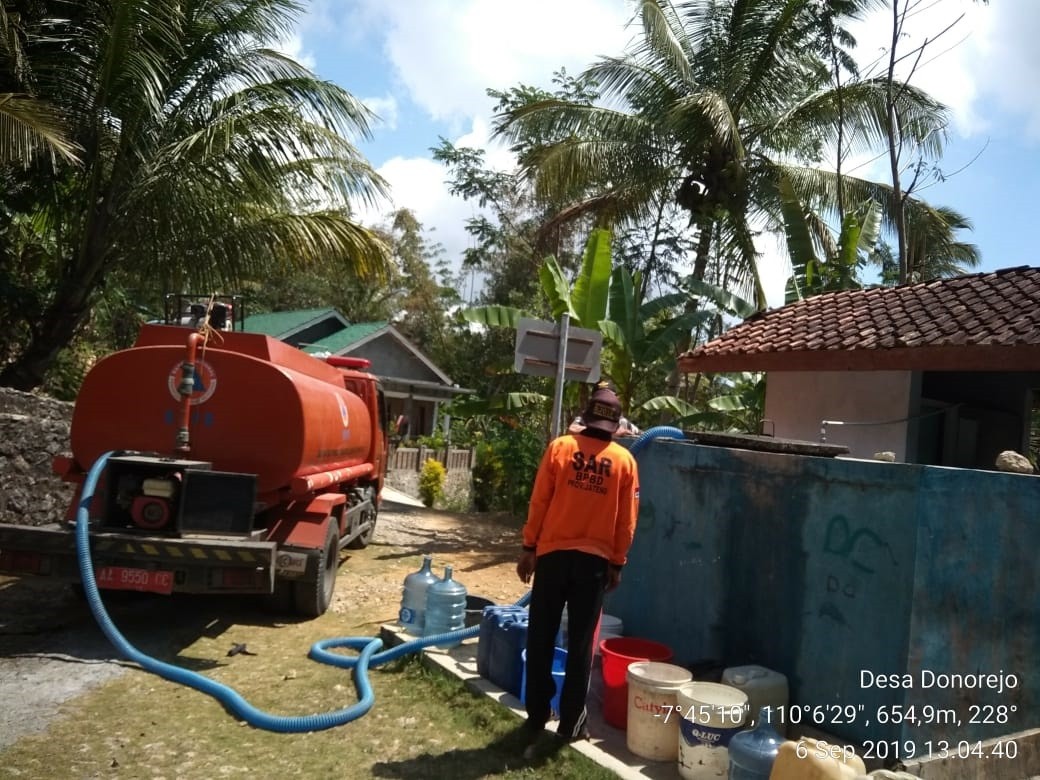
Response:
column 561, row 367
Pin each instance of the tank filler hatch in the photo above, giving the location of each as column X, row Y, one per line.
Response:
column 225, row 312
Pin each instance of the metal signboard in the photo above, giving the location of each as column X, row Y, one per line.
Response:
column 538, row 350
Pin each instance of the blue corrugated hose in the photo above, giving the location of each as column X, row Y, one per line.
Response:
column 320, row 651
column 660, row 432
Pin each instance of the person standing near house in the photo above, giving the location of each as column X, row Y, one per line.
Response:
column 580, row 525
column 402, row 426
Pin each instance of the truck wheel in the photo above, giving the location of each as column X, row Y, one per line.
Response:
column 314, row 596
column 361, row 541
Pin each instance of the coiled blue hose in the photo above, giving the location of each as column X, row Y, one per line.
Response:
column 231, row 699
column 320, row 651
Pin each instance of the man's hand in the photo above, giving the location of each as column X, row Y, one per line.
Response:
column 613, row 577
column 525, row 566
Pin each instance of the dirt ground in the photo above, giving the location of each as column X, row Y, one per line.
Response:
column 52, row 651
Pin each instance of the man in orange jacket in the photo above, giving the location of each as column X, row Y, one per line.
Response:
column 580, row 524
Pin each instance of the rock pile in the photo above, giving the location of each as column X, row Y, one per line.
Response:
column 33, row 429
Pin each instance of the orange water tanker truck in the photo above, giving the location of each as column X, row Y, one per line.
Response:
column 237, row 464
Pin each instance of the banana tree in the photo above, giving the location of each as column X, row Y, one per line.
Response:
column 504, row 404
column 714, row 305
column 638, row 335
column 739, row 408
column 836, row 266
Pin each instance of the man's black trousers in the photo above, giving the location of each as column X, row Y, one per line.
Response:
column 577, row 580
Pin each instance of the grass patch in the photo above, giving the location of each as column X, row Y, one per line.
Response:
column 425, row 724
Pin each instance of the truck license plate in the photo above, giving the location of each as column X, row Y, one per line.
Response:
column 123, row 578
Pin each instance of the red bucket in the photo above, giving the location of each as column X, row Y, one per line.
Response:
column 617, row 653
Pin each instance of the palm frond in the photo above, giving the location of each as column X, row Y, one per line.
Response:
column 864, row 110
column 28, row 127
column 665, row 35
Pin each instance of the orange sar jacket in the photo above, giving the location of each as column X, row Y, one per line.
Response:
column 585, row 497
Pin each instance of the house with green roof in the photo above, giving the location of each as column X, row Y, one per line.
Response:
column 414, row 387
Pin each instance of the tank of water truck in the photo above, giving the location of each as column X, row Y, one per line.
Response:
column 258, row 406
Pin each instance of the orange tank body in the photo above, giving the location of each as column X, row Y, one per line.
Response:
column 259, row 406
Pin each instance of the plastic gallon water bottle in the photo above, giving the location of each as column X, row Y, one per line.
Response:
column 753, row 753
column 412, row 616
column 764, row 688
column 445, row 608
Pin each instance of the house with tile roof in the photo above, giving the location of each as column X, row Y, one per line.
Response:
column 414, row 387
column 942, row 372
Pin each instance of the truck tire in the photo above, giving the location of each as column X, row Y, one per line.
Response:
column 361, row 541
column 313, row 597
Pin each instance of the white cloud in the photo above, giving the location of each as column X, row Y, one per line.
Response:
column 988, row 62
column 1009, row 65
column 419, row 185
column 293, row 47
column 496, row 156
column 448, row 52
column 774, row 267
column 385, row 109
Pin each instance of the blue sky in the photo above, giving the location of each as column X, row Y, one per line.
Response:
column 423, row 67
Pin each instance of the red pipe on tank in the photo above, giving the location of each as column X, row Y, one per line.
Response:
column 304, row 485
column 185, row 389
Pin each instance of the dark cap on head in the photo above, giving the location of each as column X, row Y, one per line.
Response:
column 603, row 411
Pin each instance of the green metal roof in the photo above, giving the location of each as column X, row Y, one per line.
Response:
column 279, row 323
column 342, row 339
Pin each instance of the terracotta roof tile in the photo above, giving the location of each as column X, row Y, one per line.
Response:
column 999, row 308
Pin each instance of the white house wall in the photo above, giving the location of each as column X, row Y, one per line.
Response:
column 797, row 402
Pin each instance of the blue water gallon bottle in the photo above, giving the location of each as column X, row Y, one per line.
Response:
column 412, row 616
column 752, row 753
column 445, row 608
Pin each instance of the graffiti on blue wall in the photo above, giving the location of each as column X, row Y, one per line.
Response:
column 850, row 560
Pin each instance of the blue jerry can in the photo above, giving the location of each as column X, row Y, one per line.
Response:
column 502, row 639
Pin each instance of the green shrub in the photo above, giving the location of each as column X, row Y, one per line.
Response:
column 488, row 477
column 520, row 452
column 431, row 481
column 65, row 375
column 504, row 470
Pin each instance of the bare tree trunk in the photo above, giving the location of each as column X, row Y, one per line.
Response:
column 700, row 261
column 700, row 268
column 836, row 67
column 56, row 328
column 651, row 261
column 894, row 144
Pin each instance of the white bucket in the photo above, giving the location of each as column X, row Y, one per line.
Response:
column 711, row 715
column 609, row 626
column 764, row 688
column 653, row 720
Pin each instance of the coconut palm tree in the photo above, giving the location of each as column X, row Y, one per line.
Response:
column 206, row 157
column 932, row 250
column 28, row 125
column 718, row 102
